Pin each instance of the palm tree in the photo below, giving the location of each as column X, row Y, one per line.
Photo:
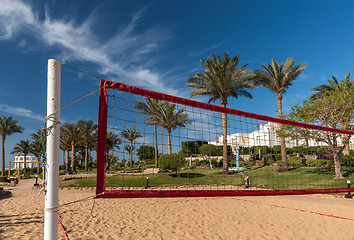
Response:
column 152, row 108
column 222, row 79
column 129, row 149
column 65, row 146
column 277, row 78
column 71, row 132
column 36, row 150
column 131, row 135
column 37, row 145
column 23, row 147
column 112, row 142
column 170, row 118
column 88, row 131
column 7, row 128
column 335, row 86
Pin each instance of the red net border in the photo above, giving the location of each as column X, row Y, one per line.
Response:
column 102, row 136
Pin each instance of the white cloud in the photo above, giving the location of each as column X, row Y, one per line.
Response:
column 18, row 111
column 124, row 57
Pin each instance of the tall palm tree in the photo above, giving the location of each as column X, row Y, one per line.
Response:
column 152, row 108
column 130, row 149
column 222, row 79
column 335, row 86
column 71, row 132
column 36, row 150
column 23, row 147
column 8, row 126
column 65, row 146
column 170, row 118
column 88, row 131
column 277, row 78
column 112, row 142
column 37, row 145
column 131, row 135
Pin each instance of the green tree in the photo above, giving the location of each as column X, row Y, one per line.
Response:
column 71, row 133
column 329, row 111
column 222, row 79
column 23, row 147
column 88, row 132
column 37, row 145
column 192, row 147
column 145, row 152
column 334, row 86
column 209, row 150
column 172, row 162
column 277, row 77
column 112, row 142
column 8, row 126
column 151, row 107
column 170, row 118
column 130, row 149
column 131, row 135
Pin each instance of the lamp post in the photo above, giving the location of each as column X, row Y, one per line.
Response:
column 349, row 195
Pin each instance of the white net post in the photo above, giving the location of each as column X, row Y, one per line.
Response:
column 53, row 141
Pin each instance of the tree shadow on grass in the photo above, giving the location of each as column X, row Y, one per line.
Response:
column 187, row 175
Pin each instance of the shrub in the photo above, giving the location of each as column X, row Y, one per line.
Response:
column 347, row 161
column 208, row 150
column 297, row 161
column 192, row 147
column 171, row 162
column 277, row 157
column 319, row 162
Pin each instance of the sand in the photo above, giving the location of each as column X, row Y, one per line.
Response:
column 281, row 217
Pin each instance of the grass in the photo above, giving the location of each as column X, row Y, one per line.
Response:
column 260, row 177
column 297, row 178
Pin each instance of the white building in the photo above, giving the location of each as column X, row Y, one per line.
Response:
column 267, row 136
column 29, row 162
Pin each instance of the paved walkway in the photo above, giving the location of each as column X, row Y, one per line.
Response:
column 24, row 185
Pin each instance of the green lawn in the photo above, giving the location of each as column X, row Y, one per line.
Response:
column 297, row 178
column 260, row 177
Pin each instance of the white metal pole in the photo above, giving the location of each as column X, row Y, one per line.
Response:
column 53, row 141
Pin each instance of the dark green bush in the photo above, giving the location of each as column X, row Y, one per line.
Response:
column 171, row 162
column 208, row 150
column 277, row 157
column 320, row 163
column 347, row 161
column 297, row 161
column 192, row 147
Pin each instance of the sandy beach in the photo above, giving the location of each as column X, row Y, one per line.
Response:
column 284, row 217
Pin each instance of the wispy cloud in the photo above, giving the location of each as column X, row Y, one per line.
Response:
column 22, row 112
column 124, row 57
column 207, row 50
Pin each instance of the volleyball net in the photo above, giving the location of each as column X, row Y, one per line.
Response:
column 152, row 144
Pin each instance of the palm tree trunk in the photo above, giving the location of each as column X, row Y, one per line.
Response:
column 67, row 161
column 64, row 162
column 86, row 159
column 225, row 169
column 24, row 164
column 284, row 162
column 73, row 162
column 131, row 154
column 89, row 159
column 155, row 134
column 169, row 142
column 38, row 160
column 3, row 155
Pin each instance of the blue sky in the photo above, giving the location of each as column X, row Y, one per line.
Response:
column 157, row 45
